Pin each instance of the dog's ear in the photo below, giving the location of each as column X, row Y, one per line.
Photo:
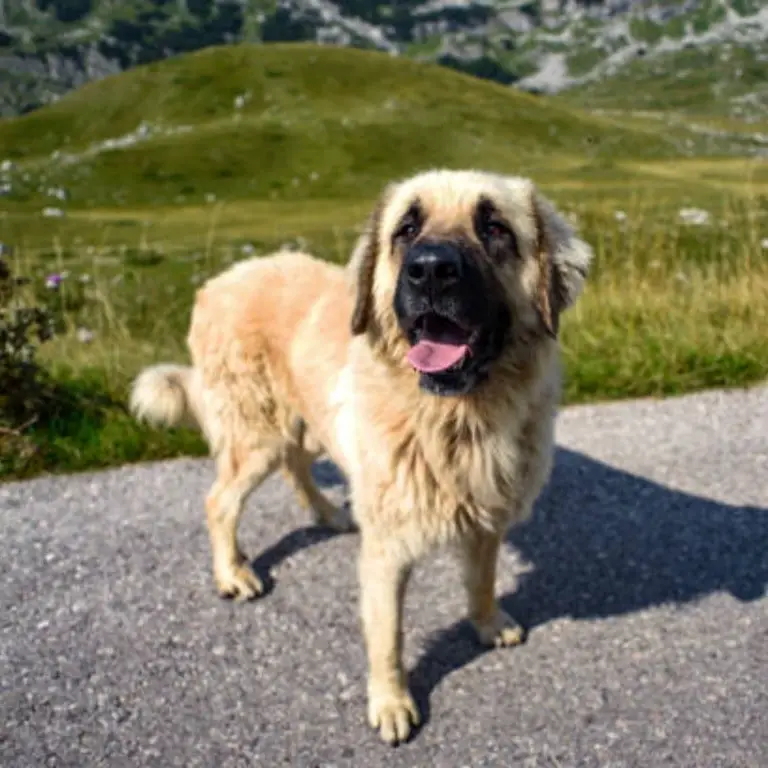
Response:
column 564, row 261
column 362, row 265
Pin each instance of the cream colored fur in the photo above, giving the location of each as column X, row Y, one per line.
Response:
column 164, row 394
column 278, row 377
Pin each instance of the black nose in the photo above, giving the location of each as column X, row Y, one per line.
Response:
column 435, row 266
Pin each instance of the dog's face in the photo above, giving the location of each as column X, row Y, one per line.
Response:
column 458, row 269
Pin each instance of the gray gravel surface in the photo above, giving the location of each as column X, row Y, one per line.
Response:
column 642, row 577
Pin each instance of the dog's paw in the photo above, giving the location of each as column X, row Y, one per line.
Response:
column 393, row 713
column 239, row 582
column 501, row 632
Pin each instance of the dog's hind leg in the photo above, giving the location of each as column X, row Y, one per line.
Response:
column 298, row 471
column 224, row 505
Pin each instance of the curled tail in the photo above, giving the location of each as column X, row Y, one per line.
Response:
column 166, row 395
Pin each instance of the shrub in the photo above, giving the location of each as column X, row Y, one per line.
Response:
column 24, row 385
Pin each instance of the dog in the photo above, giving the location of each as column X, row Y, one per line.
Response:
column 427, row 369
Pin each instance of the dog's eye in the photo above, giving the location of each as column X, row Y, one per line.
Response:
column 495, row 229
column 407, row 231
column 499, row 239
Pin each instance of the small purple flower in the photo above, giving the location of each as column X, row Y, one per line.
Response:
column 53, row 281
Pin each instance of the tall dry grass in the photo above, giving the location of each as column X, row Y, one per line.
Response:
column 669, row 307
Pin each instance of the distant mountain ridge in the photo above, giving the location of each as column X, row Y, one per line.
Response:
column 48, row 47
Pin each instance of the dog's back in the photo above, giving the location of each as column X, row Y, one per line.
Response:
column 243, row 333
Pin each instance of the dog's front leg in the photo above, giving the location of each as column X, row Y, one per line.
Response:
column 494, row 627
column 384, row 572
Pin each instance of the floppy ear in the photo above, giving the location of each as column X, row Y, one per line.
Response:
column 361, row 266
column 564, row 260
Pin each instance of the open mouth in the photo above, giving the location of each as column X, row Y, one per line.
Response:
column 438, row 344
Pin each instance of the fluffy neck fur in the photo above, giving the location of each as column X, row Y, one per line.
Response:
column 466, row 444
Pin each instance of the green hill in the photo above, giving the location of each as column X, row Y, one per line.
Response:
column 697, row 81
column 50, row 47
column 293, row 122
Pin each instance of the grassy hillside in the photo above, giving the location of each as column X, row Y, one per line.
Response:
column 292, row 122
column 714, row 81
column 120, row 199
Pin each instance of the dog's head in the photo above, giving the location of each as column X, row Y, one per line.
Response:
column 457, row 269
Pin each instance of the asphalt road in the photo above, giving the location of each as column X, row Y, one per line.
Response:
column 642, row 577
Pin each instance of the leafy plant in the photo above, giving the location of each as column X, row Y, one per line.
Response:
column 24, row 385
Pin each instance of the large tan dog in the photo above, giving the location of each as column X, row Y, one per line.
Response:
column 428, row 371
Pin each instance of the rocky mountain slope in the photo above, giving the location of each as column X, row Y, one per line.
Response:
column 48, row 47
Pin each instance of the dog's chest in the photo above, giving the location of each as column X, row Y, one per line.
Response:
column 485, row 468
column 461, row 478
column 433, row 466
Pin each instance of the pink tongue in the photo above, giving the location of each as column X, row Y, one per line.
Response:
column 434, row 356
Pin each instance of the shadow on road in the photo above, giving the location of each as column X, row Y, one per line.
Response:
column 326, row 475
column 288, row 546
column 604, row 542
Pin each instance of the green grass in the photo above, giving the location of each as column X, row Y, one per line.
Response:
column 583, row 60
column 669, row 308
column 644, row 29
column 702, row 82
